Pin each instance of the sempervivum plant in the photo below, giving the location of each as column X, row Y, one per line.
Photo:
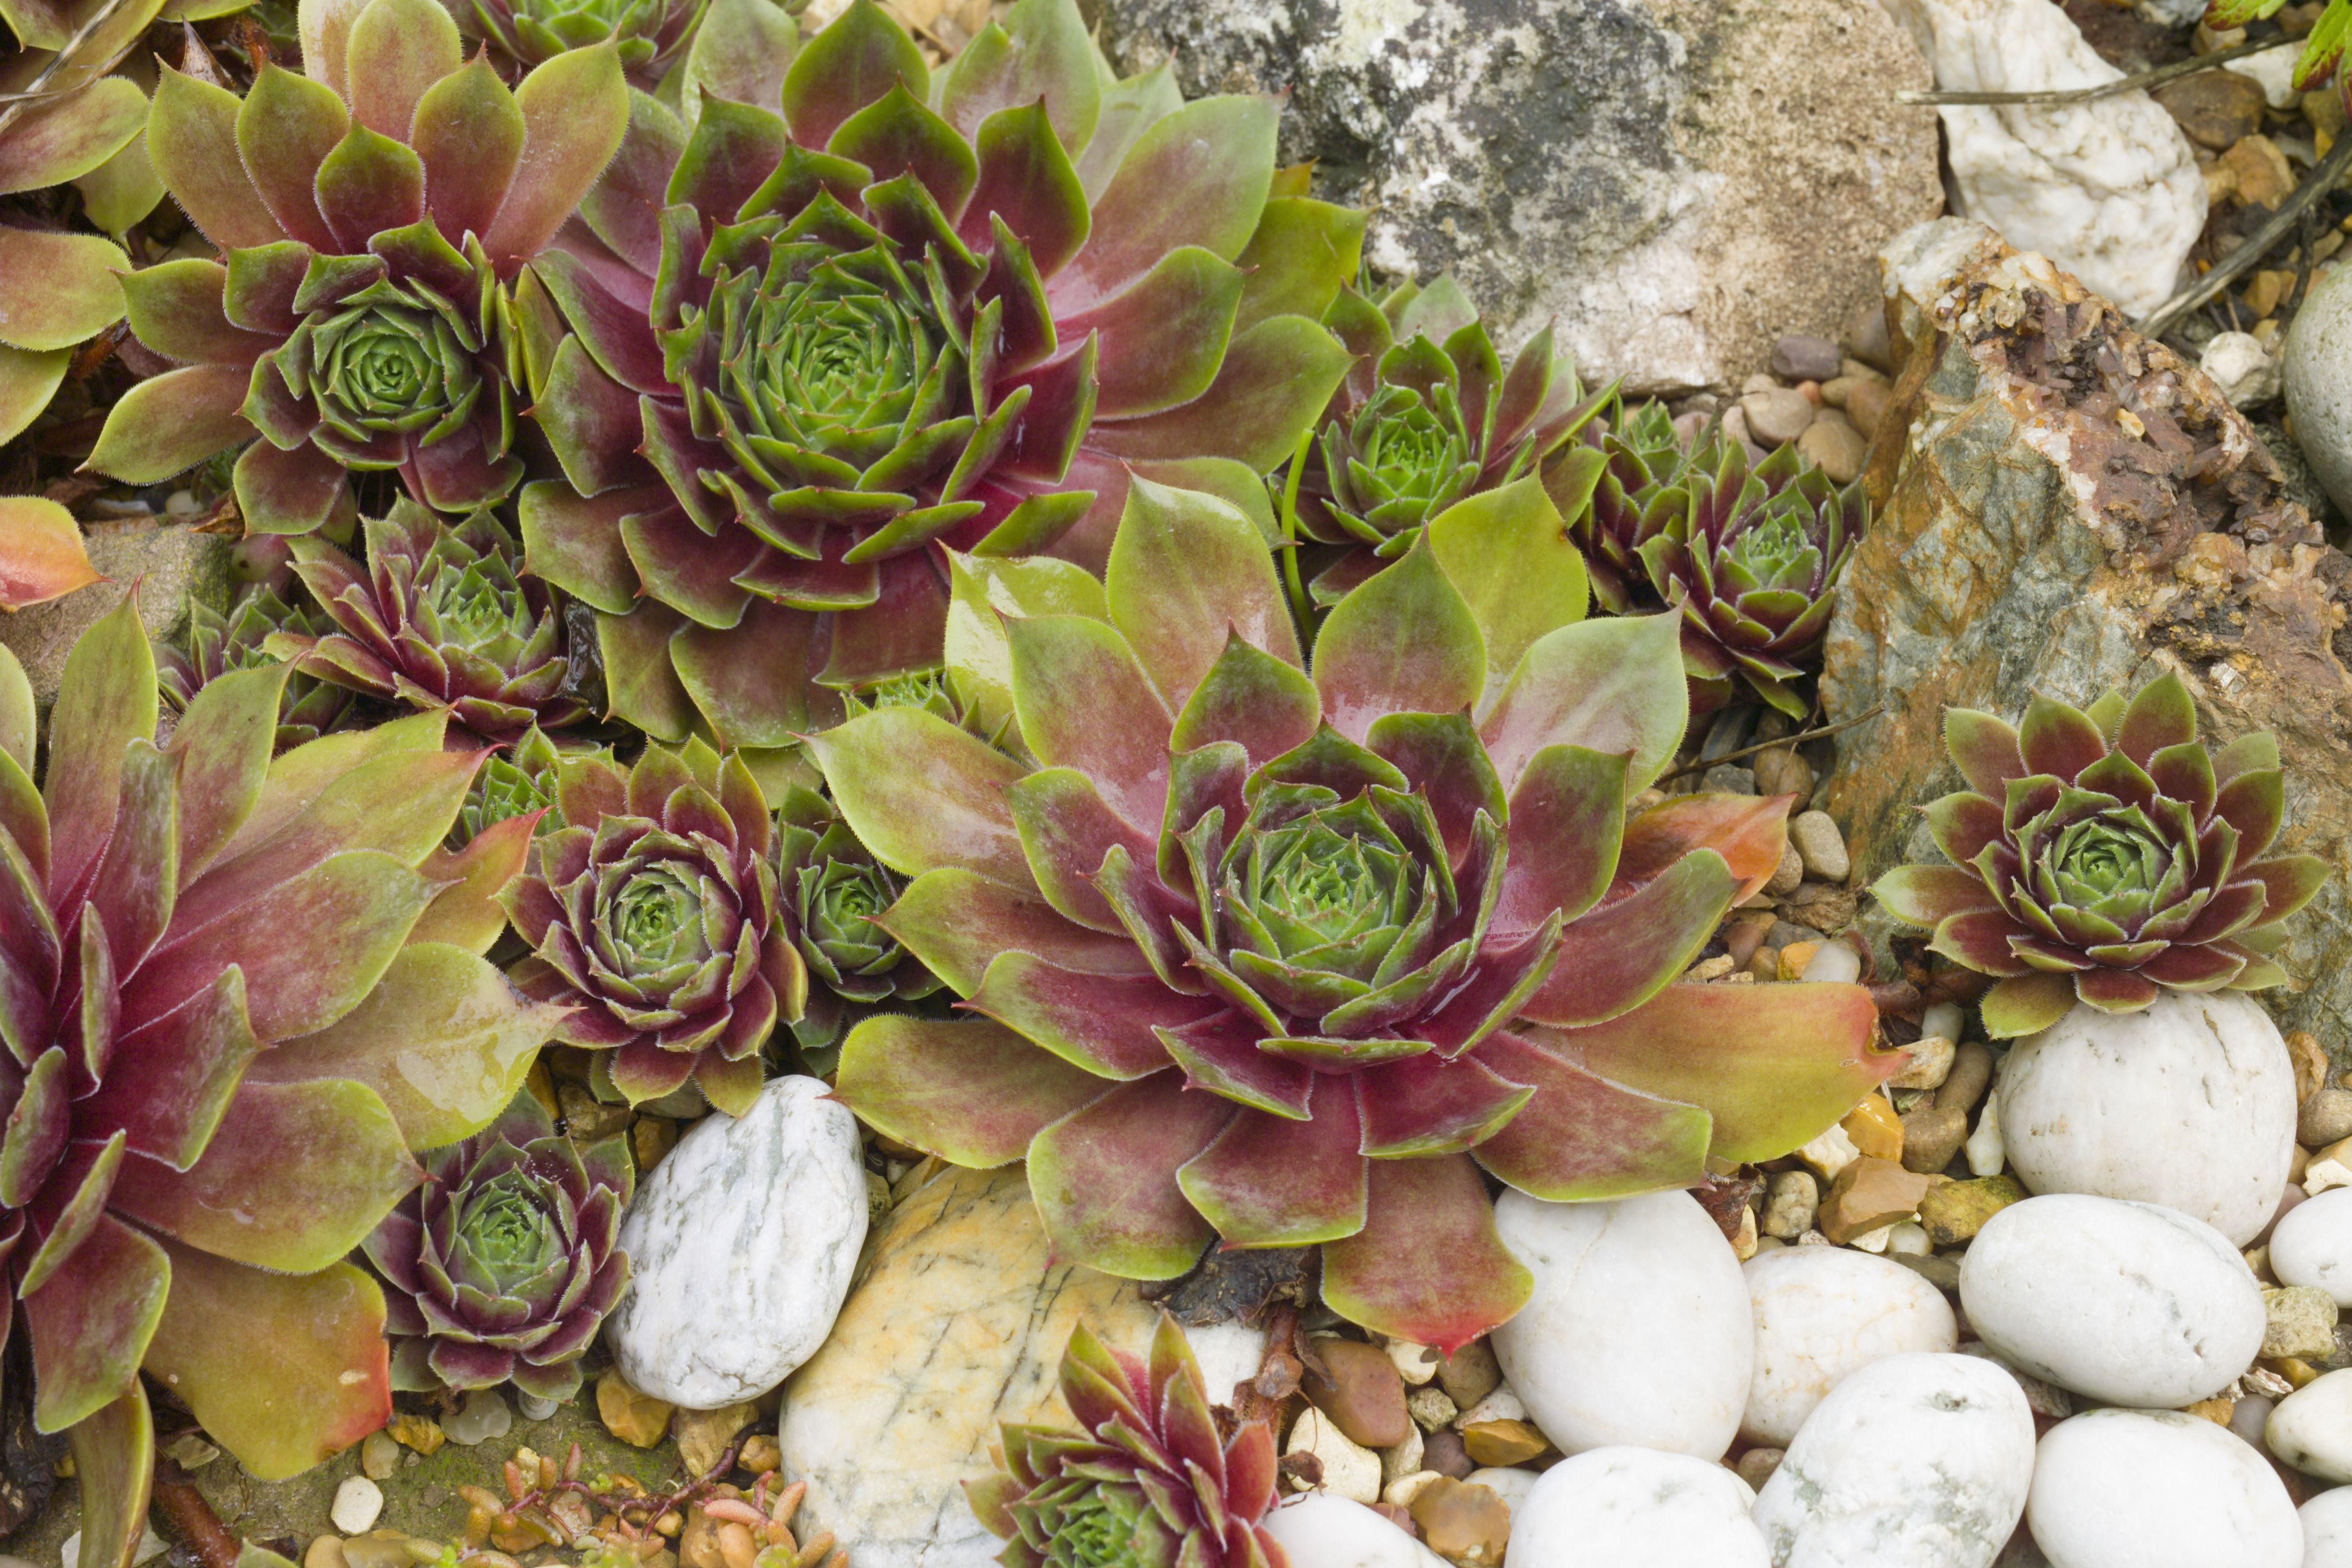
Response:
column 440, row 615
column 1751, row 557
column 504, row 1262
column 517, row 783
column 851, row 314
column 308, row 708
column 649, row 33
column 833, row 889
column 2105, row 856
column 1428, row 413
column 652, row 912
column 1283, row 955
column 228, row 1017
column 1145, row 1482
column 1642, row 455
column 368, row 214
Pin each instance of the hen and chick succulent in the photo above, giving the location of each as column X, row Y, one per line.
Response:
column 1286, row 951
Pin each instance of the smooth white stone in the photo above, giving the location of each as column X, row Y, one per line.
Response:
column 2328, row 1530
column 2312, row 1427
column 1500, row 1405
column 1228, row 1353
column 2313, row 1245
column 2188, row 1102
column 1350, row 1469
column 1832, row 961
column 740, row 1246
column 2273, row 71
column 1319, row 1530
column 1987, row 1155
column 1919, row 1461
column 357, row 1503
column 1638, row 1329
column 2246, row 372
column 2158, row 1489
column 1511, row 1484
column 1636, row 1508
column 1823, row 1313
column 2317, row 370
column 2126, row 1302
column 1945, row 1018
column 2109, row 190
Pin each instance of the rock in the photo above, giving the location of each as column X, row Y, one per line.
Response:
column 1755, row 1466
column 1865, row 405
column 326, row 1551
column 358, row 1501
column 2300, row 1321
column 1416, row 1365
column 1972, row 1069
column 2274, row 71
column 1788, row 876
column 380, row 1455
column 421, row 1433
column 1511, row 1485
column 2080, row 1102
column 2313, row 1245
column 2311, row 1064
column 1954, row 1212
column 1228, row 1353
column 1830, row 1152
column 2243, row 366
column 1505, row 1442
column 1347, row 1468
column 1823, row 1313
column 957, row 1325
column 2024, row 540
column 2128, row 1488
column 1709, row 177
column 638, row 1419
column 1918, row 1460
column 1988, row 1155
column 1817, row 838
column 1931, row 1064
column 484, row 1415
column 1444, row 1452
column 1875, row 1128
column 2258, row 165
column 1363, row 1395
column 2213, row 108
column 1638, row 1329
column 1834, row 445
column 1463, row 1522
column 2327, row 1522
column 1319, row 1530
column 1941, row 1271
column 1780, row 771
column 1932, row 1134
column 2126, row 1302
column 2325, row 1118
column 1470, row 1373
column 1791, row 1200
column 2312, row 1427
column 1803, row 357
column 1870, row 1194
column 1500, row 1405
column 2108, row 189
column 741, row 1245
column 172, row 567
column 1431, row 1408
column 1777, row 414
column 1637, row 1508
column 1400, row 1459
column 1728, row 778
column 2041, row 1398
column 533, row 1408
column 705, row 1435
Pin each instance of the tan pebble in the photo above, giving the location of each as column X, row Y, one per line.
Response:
column 2310, row 1063
column 1756, row 1464
column 704, row 1436
column 1932, row 1134
column 1404, row 1488
column 2296, row 1373
column 421, row 1433
column 1870, row 1194
column 1831, row 1152
column 1765, row 966
column 650, row 1138
column 1503, row 1442
column 1470, row 1373
column 1744, row 1241
column 1795, row 956
column 380, row 1455
column 2216, row 1410
column 326, row 1552
column 1363, row 1394
column 1931, row 1063
column 1875, row 1128
column 2262, row 174
column 1865, row 405
column 761, row 1455
column 736, row 1548
column 1966, row 1083
column 1416, row 1364
column 1466, row 1523
column 698, row 1542
column 638, row 1419
column 1835, row 446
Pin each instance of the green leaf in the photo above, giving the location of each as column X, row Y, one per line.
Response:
column 1042, row 51
column 57, row 289
column 1515, row 567
column 1186, row 570
column 921, row 794
column 41, row 555
column 114, row 1464
column 1611, row 685
column 1303, row 253
column 28, row 381
column 974, row 1093
column 983, row 590
column 1404, row 642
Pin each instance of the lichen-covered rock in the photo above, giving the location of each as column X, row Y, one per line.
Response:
column 172, row 565
column 2066, row 507
column 1677, row 182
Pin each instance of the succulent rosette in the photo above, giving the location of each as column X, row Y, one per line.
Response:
column 653, row 913
column 2105, row 856
column 1641, row 456
column 216, row 644
column 368, row 214
column 514, row 783
column 440, row 615
column 833, row 889
column 1284, row 952
column 1751, row 558
column 1428, row 413
column 1145, row 1482
column 503, row 1265
column 222, row 981
column 649, row 34
column 845, row 316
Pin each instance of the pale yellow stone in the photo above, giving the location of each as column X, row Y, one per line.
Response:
column 958, row 1325
column 704, row 1436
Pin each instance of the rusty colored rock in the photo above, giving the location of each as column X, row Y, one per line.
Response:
column 1868, row 1195
column 1502, row 1442
column 1362, row 1393
column 1445, row 1453
column 637, row 1419
column 704, row 1436
column 1465, row 1525
column 1875, row 1129
column 421, row 1433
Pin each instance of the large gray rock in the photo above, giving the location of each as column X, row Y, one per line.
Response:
column 170, row 565
column 2064, row 507
column 1677, row 182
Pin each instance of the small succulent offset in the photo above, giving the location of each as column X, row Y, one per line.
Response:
column 2105, row 856
column 307, row 709
column 1751, row 557
column 833, row 889
column 1283, row 952
column 514, row 783
column 440, row 615
column 1145, row 1483
column 369, row 214
column 1428, row 413
column 653, row 912
column 221, row 984
column 843, row 315
column 504, row 1262
column 649, row 33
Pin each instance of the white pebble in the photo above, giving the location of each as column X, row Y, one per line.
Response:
column 1509, row 1483
column 2126, row 1302
column 1985, row 1151
column 483, row 1416
column 2328, row 1530
column 358, row 1501
column 1415, row 1363
column 1831, row 1152
column 2312, row 1427
column 1501, row 1405
column 1621, row 1507
column 1319, row 1530
column 2313, row 1245
column 1351, row 1470
column 1910, row 1238
column 1832, row 961
column 2247, row 372
column 1945, row 1018
column 1228, row 1353
column 1823, row 1313
column 2153, row 1488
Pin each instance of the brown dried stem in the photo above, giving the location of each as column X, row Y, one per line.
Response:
column 191, row 1518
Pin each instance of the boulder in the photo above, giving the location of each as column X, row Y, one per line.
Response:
column 1674, row 184
column 2062, row 506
